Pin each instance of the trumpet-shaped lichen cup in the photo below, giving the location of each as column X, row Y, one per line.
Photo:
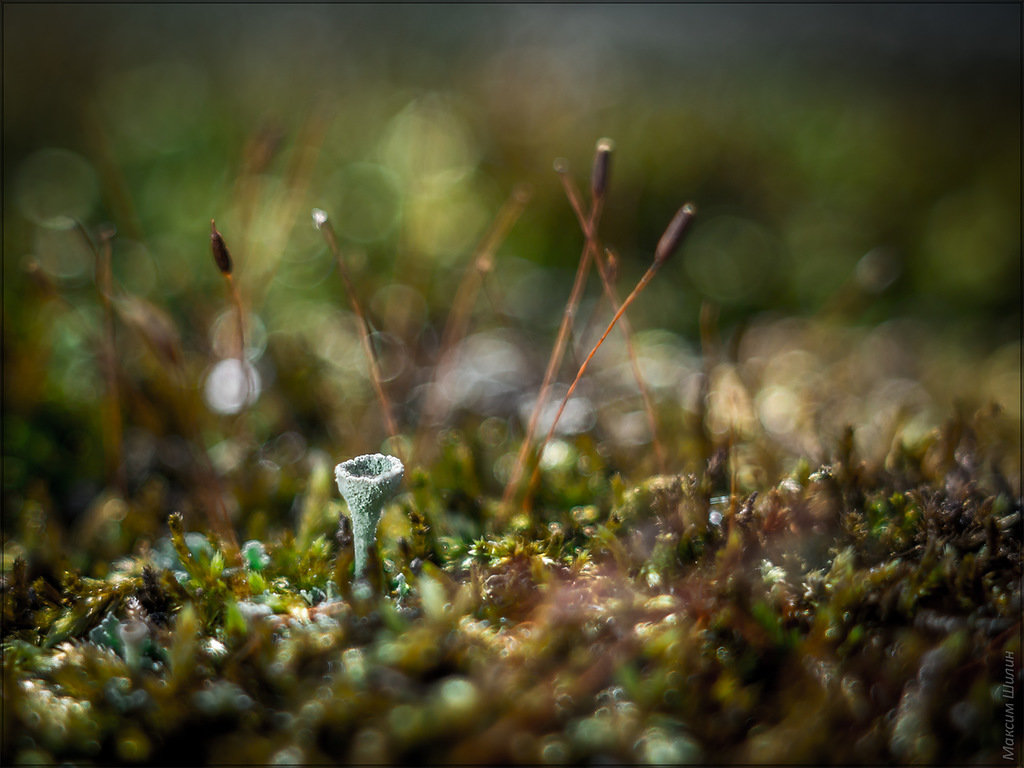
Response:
column 366, row 483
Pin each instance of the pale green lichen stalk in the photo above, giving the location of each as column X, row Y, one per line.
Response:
column 366, row 483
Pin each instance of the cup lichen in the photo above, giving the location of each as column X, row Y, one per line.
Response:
column 366, row 483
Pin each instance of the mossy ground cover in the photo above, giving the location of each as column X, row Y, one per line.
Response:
column 850, row 612
column 778, row 522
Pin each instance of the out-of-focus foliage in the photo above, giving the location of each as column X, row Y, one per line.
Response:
column 881, row 195
column 829, row 567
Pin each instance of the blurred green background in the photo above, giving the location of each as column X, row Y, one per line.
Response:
column 856, row 168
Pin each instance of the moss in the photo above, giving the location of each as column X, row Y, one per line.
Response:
column 636, row 629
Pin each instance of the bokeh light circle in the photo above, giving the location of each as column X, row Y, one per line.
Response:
column 56, row 187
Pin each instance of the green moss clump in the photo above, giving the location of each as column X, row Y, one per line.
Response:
column 656, row 623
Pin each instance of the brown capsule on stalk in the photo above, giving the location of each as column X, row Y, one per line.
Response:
column 220, row 250
column 602, row 161
column 673, row 234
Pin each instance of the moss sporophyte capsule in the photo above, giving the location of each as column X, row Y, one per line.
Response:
column 366, row 483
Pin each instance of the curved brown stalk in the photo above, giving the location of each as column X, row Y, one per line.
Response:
column 222, row 258
column 609, row 289
column 325, row 227
column 667, row 245
column 113, row 429
column 481, row 263
column 284, row 211
column 556, row 353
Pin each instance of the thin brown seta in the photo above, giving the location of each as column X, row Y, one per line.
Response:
column 733, row 498
column 606, row 270
column 709, row 346
column 260, row 150
column 111, row 173
column 667, row 245
column 599, row 186
column 215, row 498
column 323, row 224
column 280, row 214
column 113, row 432
column 222, row 258
column 158, row 332
column 480, row 265
column 284, row 210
